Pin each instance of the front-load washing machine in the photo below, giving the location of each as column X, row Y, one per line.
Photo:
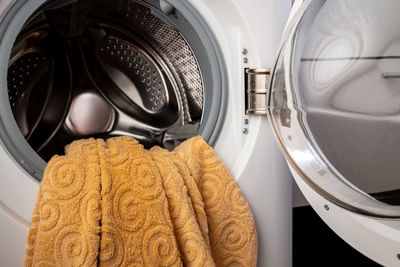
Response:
column 163, row 71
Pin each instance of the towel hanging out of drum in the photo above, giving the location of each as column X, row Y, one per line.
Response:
column 114, row 203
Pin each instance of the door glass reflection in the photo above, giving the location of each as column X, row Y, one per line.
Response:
column 347, row 65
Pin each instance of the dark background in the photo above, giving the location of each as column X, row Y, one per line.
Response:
column 315, row 244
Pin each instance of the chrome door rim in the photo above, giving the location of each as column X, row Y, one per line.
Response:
column 299, row 146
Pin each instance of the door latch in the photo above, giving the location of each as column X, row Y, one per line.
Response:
column 256, row 85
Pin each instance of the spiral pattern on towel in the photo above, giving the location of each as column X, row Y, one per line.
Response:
column 206, row 154
column 234, row 198
column 116, row 152
column 127, row 209
column 66, row 177
column 49, row 214
column 211, row 188
column 234, row 262
column 146, row 179
column 112, row 247
column 178, row 203
column 195, row 254
column 70, row 246
column 113, row 203
column 159, row 246
column 90, row 211
column 232, row 234
column 165, row 214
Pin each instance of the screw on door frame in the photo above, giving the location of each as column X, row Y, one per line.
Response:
column 326, row 207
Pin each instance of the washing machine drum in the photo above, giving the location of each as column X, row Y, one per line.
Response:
column 78, row 71
column 104, row 68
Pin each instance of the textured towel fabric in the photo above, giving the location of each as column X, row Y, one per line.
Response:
column 116, row 204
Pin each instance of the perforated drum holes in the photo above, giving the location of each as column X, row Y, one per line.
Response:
column 124, row 55
column 160, row 92
column 142, row 67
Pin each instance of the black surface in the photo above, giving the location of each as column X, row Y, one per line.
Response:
column 390, row 197
column 315, row 244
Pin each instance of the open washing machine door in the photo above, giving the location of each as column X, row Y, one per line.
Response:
column 334, row 104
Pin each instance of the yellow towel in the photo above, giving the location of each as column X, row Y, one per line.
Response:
column 116, row 204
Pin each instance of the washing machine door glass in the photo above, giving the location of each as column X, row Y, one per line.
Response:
column 335, row 102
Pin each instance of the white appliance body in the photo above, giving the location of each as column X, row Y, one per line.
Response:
column 252, row 155
column 248, row 33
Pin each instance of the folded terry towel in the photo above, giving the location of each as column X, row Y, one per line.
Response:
column 116, row 204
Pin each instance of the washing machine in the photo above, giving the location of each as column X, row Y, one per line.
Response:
column 279, row 89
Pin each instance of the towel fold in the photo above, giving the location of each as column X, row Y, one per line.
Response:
column 114, row 203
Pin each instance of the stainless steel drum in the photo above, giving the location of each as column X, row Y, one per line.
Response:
column 102, row 68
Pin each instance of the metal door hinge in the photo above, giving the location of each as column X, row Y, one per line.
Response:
column 257, row 84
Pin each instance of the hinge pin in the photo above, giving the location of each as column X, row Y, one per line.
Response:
column 257, row 84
